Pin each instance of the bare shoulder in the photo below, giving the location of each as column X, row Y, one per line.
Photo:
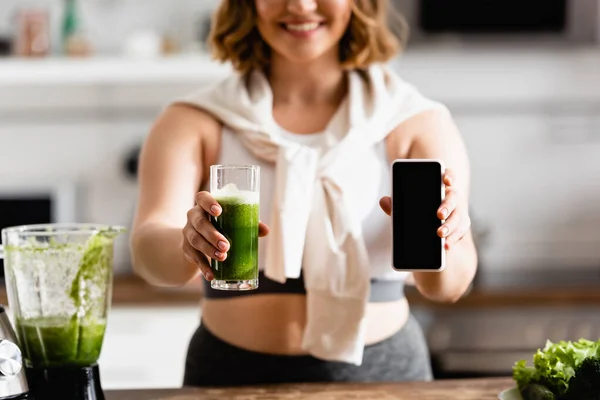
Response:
column 174, row 161
column 428, row 126
column 183, row 127
column 426, row 135
column 185, row 121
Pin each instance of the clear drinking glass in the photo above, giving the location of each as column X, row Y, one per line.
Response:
column 59, row 286
column 237, row 190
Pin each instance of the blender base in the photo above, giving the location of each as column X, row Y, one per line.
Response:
column 65, row 383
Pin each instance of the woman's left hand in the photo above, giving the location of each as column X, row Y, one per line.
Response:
column 453, row 211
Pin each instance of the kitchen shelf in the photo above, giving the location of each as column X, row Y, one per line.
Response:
column 108, row 70
column 467, row 77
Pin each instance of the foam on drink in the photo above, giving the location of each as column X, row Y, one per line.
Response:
column 232, row 195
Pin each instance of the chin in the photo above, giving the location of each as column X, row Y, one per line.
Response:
column 304, row 56
column 301, row 60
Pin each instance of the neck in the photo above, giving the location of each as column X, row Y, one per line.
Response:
column 320, row 81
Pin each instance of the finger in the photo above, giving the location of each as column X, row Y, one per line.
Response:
column 459, row 233
column 263, row 229
column 448, row 177
column 448, row 205
column 208, row 203
column 450, row 225
column 205, row 228
column 196, row 258
column 386, row 204
column 198, row 242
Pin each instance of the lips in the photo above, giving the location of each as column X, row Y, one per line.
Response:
column 301, row 27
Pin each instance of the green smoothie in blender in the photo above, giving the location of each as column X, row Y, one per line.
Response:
column 59, row 286
column 59, row 341
column 68, row 328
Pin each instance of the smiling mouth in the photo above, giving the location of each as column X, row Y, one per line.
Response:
column 302, row 27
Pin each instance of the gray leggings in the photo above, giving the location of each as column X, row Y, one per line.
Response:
column 213, row 362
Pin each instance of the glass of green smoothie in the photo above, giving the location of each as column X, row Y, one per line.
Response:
column 237, row 190
column 59, row 286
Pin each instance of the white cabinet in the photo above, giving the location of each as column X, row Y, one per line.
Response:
column 536, row 185
column 145, row 347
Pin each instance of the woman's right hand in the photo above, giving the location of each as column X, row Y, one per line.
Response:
column 201, row 240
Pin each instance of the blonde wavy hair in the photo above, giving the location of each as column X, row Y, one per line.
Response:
column 234, row 36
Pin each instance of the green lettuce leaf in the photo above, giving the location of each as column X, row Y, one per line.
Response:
column 524, row 375
column 555, row 364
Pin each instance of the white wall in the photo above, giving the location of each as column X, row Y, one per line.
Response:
column 109, row 22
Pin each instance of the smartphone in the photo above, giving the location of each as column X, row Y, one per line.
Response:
column 417, row 193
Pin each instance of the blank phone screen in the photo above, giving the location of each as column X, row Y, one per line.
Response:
column 416, row 198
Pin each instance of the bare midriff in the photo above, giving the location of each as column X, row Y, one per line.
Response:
column 273, row 323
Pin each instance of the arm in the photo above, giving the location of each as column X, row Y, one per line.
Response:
column 433, row 134
column 172, row 168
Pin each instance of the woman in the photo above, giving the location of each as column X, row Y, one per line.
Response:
column 314, row 106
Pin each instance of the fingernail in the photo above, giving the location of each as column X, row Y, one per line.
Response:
column 218, row 254
column 208, row 276
column 215, row 209
column 222, row 245
column 444, row 212
column 445, row 230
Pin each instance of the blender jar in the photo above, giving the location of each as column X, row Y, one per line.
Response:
column 59, row 286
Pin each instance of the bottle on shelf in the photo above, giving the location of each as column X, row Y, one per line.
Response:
column 73, row 41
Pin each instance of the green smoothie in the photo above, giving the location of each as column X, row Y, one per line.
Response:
column 239, row 224
column 55, row 341
column 68, row 339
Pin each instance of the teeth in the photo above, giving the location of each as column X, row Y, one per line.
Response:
column 302, row 27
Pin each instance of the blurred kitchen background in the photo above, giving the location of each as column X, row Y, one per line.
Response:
column 82, row 81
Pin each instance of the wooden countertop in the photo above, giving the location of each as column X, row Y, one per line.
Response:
column 516, row 297
column 129, row 290
column 463, row 389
